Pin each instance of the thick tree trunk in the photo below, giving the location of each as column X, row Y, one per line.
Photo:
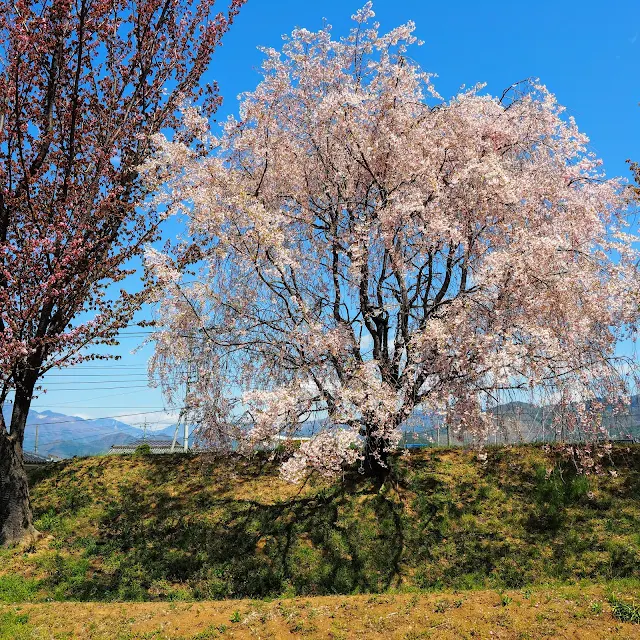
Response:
column 15, row 507
column 16, row 521
column 376, row 459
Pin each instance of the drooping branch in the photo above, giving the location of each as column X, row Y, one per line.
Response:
column 392, row 255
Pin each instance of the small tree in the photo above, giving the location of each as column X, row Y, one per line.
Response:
column 369, row 249
column 83, row 86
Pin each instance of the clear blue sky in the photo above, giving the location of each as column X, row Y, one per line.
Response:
column 586, row 52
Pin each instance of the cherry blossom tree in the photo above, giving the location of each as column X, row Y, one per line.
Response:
column 362, row 248
column 83, row 86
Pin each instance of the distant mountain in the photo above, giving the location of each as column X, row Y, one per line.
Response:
column 516, row 421
column 67, row 436
column 527, row 422
column 168, row 432
column 519, row 421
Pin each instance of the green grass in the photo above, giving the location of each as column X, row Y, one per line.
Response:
column 15, row 626
column 17, row 588
column 625, row 611
column 185, row 528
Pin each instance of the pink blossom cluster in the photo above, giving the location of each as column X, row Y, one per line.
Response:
column 328, row 453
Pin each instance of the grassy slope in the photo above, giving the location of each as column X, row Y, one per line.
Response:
column 176, row 528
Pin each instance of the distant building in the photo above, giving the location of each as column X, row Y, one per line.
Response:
column 156, row 446
column 32, row 460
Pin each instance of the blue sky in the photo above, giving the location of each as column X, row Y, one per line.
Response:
column 587, row 53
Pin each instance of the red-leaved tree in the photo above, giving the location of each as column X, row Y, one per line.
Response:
column 83, row 87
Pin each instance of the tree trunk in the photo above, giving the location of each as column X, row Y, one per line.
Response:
column 15, row 507
column 376, row 458
column 16, row 521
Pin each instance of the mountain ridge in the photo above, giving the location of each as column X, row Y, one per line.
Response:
column 65, row 436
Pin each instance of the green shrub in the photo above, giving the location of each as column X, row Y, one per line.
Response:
column 554, row 492
column 624, row 558
column 49, row 521
column 143, row 449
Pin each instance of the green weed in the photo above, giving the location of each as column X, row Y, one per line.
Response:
column 15, row 626
column 596, row 607
column 505, row 599
column 625, row 611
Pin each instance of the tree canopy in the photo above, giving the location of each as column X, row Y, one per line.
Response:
column 366, row 248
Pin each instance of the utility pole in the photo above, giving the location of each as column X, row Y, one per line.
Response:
column 191, row 374
column 185, row 440
column 183, row 418
column 185, row 437
column 175, row 434
column 144, row 436
column 35, row 446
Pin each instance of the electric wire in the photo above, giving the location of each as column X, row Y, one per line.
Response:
column 144, row 386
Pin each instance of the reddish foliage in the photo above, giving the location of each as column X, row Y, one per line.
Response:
column 83, row 87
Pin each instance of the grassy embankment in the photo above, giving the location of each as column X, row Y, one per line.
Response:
column 182, row 528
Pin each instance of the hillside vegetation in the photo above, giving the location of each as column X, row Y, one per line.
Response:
column 189, row 527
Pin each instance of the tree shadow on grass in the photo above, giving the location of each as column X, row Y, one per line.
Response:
column 215, row 546
column 183, row 528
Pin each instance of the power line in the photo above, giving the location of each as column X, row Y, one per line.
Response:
column 110, row 406
column 93, row 379
column 80, row 422
column 54, row 382
column 108, row 395
column 115, row 365
column 80, row 374
column 82, row 435
column 121, row 337
column 144, row 386
column 74, row 402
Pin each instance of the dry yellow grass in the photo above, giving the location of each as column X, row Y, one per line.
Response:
column 579, row 613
